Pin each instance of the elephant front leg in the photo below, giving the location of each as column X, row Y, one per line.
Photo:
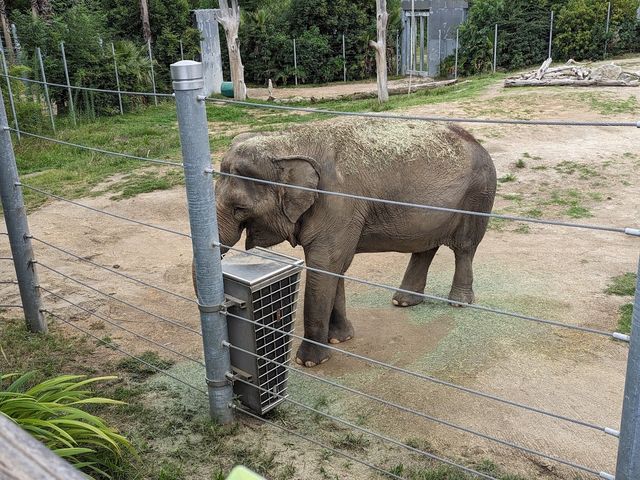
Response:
column 340, row 328
column 319, row 296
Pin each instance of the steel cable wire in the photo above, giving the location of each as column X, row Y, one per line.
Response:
column 422, row 118
column 624, row 230
column 97, row 210
column 115, row 347
column 117, row 325
column 111, row 297
column 99, row 150
column 8, row 259
column 318, row 443
column 372, row 433
column 429, row 378
column 89, row 89
column 402, row 408
column 557, row 223
column 11, row 306
column 615, row 335
column 115, row 272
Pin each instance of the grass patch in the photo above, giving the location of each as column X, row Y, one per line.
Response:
column 572, row 199
column 607, row 105
column 622, row 285
column 509, row 177
column 626, row 316
column 140, row 371
column 521, row 163
column 569, row 168
column 351, row 441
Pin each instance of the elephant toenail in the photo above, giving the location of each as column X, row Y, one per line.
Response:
column 405, row 304
column 334, row 341
column 396, row 303
column 324, row 361
column 309, row 364
column 298, row 361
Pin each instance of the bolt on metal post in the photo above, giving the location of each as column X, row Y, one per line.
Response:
column 628, row 466
column 15, row 217
column 188, row 83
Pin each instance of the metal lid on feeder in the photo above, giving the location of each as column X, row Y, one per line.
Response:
column 262, row 265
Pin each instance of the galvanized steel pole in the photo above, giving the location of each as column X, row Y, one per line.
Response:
column 153, row 76
column 344, row 59
column 495, row 50
column 606, row 39
column 628, row 467
column 181, row 51
column 457, row 52
column 11, row 102
column 66, row 76
column 46, row 88
column 295, row 61
column 115, row 67
column 188, row 84
column 551, row 34
column 15, row 217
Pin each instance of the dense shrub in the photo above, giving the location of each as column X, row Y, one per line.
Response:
column 579, row 31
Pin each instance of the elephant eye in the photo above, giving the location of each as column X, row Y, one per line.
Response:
column 239, row 211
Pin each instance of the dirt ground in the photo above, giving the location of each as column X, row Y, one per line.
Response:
column 551, row 272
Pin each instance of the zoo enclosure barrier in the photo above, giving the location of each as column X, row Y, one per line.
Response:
column 191, row 110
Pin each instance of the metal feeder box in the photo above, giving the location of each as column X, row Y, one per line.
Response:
column 267, row 288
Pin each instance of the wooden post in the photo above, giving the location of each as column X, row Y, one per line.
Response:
column 229, row 18
column 382, row 18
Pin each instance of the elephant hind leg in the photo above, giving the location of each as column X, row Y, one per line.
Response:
column 462, row 288
column 415, row 279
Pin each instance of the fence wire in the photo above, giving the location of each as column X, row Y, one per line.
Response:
column 605, row 228
column 89, row 89
column 117, row 325
column 412, row 411
column 432, row 379
column 123, row 302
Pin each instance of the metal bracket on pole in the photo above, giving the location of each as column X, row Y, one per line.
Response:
column 188, row 83
column 15, row 217
column 628, row 465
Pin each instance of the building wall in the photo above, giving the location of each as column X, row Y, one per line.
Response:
column 444, row 18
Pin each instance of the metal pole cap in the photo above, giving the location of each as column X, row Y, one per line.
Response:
column 187, row 75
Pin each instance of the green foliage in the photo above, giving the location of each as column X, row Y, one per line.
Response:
column 579, row 32
column 626, row 315
column 622, row 285
column 53, row 412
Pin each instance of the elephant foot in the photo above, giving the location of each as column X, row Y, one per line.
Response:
column 461, row 295
column 310, row 355
column 340, row 334
column 402, row 299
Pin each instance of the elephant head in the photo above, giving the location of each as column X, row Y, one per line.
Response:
column 269, row 213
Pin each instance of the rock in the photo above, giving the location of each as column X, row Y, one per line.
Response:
column 607, row 72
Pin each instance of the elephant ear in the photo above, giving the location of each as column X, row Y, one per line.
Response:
column 301, row 171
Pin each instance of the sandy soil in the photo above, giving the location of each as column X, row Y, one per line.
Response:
column 551, row 272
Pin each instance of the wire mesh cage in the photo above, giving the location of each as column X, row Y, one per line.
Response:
column 266, row 289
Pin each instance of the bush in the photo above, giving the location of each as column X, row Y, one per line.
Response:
column 52, row 412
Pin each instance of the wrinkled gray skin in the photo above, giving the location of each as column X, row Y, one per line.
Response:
column 332, row 230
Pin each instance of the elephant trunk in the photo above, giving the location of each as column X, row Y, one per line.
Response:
column 229, row 230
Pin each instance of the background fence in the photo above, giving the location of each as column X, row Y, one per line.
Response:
column 199, row 172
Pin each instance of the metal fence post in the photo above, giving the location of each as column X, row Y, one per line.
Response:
column 46, row 88
column 15, row 217
column 153, row 76
column 5, row 69
column 188, row 84
column 295, row 61
column 495, row 50
column 628, row 467
column 457, row 52
column 551, row 34
column 344, row 59
column 66, row 76
column 115, row 67
column 181, row 51
column 606, row 38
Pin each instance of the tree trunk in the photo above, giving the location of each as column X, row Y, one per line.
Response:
column 229, row 18
column 6, row 31
column 35, row 8
column 146, row 24
column 41, row 8
column 382, row 18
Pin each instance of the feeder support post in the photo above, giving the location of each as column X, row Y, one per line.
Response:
column 188, row 85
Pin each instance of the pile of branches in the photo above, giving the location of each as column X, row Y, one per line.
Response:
column 577, row 75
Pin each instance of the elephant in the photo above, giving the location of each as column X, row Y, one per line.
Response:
column 414, row 162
